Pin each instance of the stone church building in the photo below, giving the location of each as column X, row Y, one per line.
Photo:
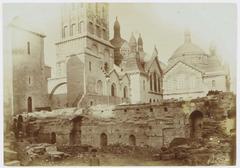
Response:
column 91, row 69
column 191, row 72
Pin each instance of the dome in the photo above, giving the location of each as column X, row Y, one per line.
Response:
column 188, row 48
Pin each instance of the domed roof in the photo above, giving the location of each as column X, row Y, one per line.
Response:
column 188, row 48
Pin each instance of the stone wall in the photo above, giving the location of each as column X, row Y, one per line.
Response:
column 148, row 124
column 29, row 73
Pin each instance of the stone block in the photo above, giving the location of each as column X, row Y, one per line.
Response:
column 10, row 155
column 13, row 163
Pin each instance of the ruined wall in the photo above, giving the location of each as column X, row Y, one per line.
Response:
column 154, row 125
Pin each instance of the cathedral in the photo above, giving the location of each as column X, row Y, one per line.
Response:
column 91, row 69
column 191, row 72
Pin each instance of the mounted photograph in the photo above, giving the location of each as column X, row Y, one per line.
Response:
column 119, row 84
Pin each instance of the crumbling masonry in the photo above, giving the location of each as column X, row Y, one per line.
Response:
column 148, row 124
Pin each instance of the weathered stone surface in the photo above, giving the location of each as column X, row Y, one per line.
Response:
column 13, row 163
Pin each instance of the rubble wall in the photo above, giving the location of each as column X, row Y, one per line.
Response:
column 153, row 125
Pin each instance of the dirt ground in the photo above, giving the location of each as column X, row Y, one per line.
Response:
column 106, row 160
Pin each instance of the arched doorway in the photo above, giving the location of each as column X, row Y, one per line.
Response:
column 53, row 138
column 132, row 140
column 75, row 134
column 103, row 140
column 29, row 102
column 20, row 123
column 195, row 120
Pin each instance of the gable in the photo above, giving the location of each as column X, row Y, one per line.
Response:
column 155, row 66
column 125, row 78
column 181, row 68
column 113, row 74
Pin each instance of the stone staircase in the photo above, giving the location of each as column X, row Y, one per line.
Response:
column 10, row 155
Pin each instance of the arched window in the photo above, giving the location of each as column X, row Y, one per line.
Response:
column 180, row 82
column 29, row 80
column 29, row 102
column 64, row 31
column 90, row 27
column 90, row 66
column 150, row 81
column 213, row 83
column 113, row 90
column 125, row 92
column 106, row 67
column 73, row 29
column 159, row 84
column 80, row 27
column 28, row 47
column 150, row 100
column 94, row 48
column 99, row 87
column 143, row 84
column 155, row 81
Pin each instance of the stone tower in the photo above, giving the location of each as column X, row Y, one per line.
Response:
column 84, row 53
column 28, row 71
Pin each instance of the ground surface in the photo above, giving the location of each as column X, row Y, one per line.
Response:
column 106, row 160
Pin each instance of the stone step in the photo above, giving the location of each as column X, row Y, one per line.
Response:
column 13, row 163
column 10, row 155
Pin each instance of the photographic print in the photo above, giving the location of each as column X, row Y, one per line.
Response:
column 119, row 84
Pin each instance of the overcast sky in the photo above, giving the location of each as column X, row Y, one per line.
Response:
column 160, row 24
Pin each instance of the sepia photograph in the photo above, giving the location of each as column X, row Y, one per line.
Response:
column 119, row 84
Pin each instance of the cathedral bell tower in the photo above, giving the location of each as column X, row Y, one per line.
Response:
column 84, row 52
column 78, row 21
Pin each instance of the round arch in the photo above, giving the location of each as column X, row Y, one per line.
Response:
column 113, row 89
column 125, row 92
column 103, row 140
column 132, row 140
column 55, row 88
column 195, row 120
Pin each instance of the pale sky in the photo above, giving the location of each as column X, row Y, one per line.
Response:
column 160, row 24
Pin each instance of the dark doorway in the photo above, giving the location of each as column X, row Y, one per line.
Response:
column 103, row 140
column 20, row 123
column 53, row 138
column 75, row 134
column 29, row 100
column 196, row 118
column 132, row 140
